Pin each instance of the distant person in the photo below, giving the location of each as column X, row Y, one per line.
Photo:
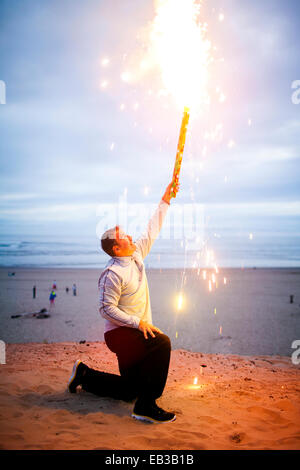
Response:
column 67, row 290
column 54, row 285
column 74, row 289
column 34, row 292
column 52, row 298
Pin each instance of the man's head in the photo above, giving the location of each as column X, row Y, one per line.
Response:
column 115, row 242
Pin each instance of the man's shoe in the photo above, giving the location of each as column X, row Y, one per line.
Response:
column 77, row 374
column 153, row 414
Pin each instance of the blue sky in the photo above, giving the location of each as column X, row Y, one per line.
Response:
column 65, row 146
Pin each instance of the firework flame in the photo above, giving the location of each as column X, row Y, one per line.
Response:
column 179, row 47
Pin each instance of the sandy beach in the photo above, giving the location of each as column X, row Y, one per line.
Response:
column 249, row 315
column 239, row 403
column 236, row 341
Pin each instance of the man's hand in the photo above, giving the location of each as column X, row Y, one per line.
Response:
column 148, row 328
column 169, row 192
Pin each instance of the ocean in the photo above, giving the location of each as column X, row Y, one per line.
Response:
column 241, row 249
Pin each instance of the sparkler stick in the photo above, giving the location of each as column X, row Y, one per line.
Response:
column 180, row 149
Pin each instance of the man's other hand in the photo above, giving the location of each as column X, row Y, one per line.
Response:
column 148, row 328
column 170, row 192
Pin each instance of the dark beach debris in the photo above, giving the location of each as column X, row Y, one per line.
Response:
column 236, row 437
column 82, row 341
column 41, row 314
column 223, row 337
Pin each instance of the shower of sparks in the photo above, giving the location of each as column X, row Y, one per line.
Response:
column 178, row 45
column 179, row 52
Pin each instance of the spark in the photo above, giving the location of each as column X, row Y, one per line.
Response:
column 221, row 329
column 146, row 190
column 179, row 301
column 122, row 107
column 105, row 61
column 112, row 146
column 104, row 84
column 195, row 382
column 125, row 76
column 250, row 236
column 221, row 17
column 231, row 144
column 209, row 286
column 215, row 311
column 225, row 280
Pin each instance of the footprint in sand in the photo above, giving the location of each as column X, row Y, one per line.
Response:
column 237, row 437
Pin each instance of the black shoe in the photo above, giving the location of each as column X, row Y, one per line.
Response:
column 77, row 375
column 152, row 414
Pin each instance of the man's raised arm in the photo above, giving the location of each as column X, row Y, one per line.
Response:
column 145, row 242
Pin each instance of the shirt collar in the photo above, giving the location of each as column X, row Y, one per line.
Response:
column 123, row 260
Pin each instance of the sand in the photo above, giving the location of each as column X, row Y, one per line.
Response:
column 241, row 403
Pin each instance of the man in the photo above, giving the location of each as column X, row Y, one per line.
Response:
column 142, row 350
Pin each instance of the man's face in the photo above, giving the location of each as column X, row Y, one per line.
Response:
column 125, row 245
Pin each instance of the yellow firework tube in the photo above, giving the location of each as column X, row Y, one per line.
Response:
column 180, row 149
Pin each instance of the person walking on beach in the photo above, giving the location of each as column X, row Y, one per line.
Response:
column 74, row 288
column 142, row 350
column 52, row 298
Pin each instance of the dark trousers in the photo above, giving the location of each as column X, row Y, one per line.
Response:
column 143, row 365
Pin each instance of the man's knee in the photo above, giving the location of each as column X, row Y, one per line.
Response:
column 165, row 340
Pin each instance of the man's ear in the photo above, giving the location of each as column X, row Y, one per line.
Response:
column 115, row 250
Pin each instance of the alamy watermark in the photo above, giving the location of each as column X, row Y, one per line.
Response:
column 296, row 93
column 2, row 352
column 296, row 354
column 2, row 92
column 182, row 221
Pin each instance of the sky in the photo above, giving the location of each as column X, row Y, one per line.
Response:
column 66, row 147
